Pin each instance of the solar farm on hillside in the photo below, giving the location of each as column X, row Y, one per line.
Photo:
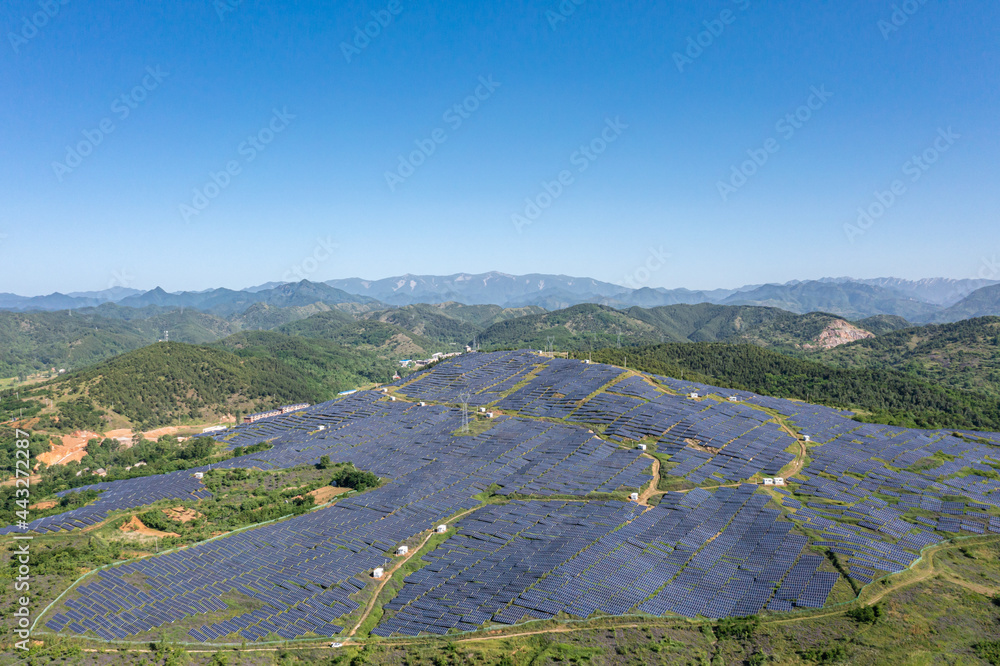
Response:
column 535, row 500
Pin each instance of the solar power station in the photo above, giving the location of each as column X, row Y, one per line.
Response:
column 563, row 439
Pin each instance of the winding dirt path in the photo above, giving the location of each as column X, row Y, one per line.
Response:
column 385, row 579
column 654, row 484
column 399, row 563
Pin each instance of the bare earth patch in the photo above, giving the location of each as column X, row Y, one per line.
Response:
column 326, row 493
column 838, row 333
column 72, row 447
column 136, row 526
column 182, row 514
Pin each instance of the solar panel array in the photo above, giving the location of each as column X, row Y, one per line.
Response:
column 117, row 495
column 694, row 554
column 559, row 388
column 713, row 552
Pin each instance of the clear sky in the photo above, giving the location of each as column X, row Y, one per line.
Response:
column 250, row 141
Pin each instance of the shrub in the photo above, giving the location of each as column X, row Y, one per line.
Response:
column 349, row 477
column 157, row 520
column 865, row 614
column 828, row 656
column 737, row 627
column 989, row 651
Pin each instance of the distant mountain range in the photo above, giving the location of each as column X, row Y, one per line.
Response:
column 933, row 300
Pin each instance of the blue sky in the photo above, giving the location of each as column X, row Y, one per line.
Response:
column 643, row 109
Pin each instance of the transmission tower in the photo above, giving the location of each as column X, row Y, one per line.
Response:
column 465, row 412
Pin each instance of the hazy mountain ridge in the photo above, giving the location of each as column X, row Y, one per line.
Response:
column 493, row 288
column 917, row 300
column 983, row 302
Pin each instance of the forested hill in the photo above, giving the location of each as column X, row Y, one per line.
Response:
column 882, row 396
column 964, row 355
column 169, row 383
column 34, row 341
column 586, row 326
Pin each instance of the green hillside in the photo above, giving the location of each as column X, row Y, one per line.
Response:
column 482, row 316
column 168, row 383
column 429, row 322
column 585, row 326
column 964, row 355
column 575, row 328
column 386, row 339
column 880, row 324
column 37, row 341
column 324, row 367
column 884, row 396
column 32, row 342
column 264, row 317
column 715, row 323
